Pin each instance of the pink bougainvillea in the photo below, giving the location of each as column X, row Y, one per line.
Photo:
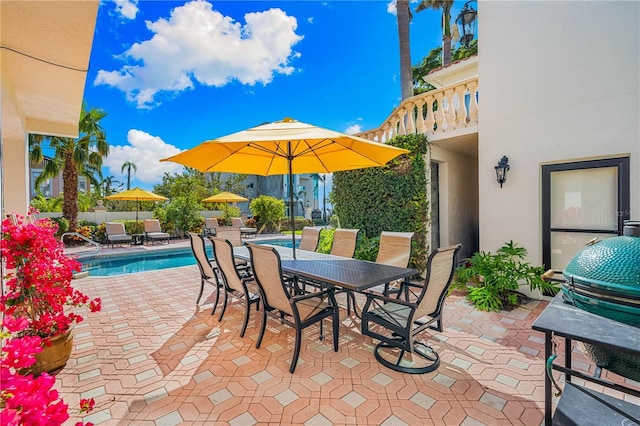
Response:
column 39, row 289
column 38, row 292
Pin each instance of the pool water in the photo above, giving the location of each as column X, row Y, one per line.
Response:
column 129, row 263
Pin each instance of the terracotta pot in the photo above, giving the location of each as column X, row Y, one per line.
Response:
column 54, row 356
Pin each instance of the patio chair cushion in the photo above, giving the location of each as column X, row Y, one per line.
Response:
column 116, row 233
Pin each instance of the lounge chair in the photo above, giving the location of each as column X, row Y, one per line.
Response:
column 211, row 225
column 344, row 242
column 310, row 238
column 207, row 270
column 235, row 281
column 116, row 233
column 237, row 222
column 296, row 310
column 153, row 232
column 398, row 321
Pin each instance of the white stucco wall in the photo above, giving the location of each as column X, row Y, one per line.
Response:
column 560, row 83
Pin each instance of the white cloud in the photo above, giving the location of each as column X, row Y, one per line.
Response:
column 392, row 8
column 145, row 151
column 353, row 129
column 127, row 8
column 199, row 44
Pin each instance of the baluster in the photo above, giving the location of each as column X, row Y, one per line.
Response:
column 473, row 102
column 461, row 112
column 440, row 113
column 431, row 119
column 420, row 115
column 402, row 118
column 411, row 118
column 451, row 111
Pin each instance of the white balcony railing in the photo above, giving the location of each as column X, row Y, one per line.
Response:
column 439, row 111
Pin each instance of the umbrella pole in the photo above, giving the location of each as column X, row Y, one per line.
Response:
column 293, row 219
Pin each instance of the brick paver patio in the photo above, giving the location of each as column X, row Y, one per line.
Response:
column 152, row 356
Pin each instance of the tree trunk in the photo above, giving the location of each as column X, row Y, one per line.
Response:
column 406, row 78
column 446, row 50
column 70, row 188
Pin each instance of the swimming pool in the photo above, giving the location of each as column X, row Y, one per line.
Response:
column 129, row 263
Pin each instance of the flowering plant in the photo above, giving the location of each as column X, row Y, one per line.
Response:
column 39, row 287
column 25, row 399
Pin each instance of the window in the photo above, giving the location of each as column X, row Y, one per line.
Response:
column 45, row 187
column 82, row 184
column 582, row 201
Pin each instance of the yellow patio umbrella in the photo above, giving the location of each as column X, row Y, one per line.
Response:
column 137, row 195
column 286, row 147
column 225, row 197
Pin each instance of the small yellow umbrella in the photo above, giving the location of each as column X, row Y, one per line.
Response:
column 225, row 197
column 137, row 195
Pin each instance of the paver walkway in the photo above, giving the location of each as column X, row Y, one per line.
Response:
column 152, row 356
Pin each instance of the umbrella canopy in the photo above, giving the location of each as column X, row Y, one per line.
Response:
column 225, row 197
column 136, row 194
column 286, row 147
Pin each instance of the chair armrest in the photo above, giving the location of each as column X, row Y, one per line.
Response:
column 379, row 297
column 305, row 296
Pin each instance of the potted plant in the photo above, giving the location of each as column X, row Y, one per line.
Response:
column 38, row 289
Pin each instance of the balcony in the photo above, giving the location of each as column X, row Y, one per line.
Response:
column 457, row 117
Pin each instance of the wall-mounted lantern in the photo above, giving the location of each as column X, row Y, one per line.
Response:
column 501, row 170
column 467, row 21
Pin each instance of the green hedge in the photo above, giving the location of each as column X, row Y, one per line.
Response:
column 389, row 198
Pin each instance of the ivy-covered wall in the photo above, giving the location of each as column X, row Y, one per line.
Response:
column 389, row 198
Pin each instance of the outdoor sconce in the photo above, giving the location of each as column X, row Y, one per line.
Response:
column 467, row 21
column 501, row 170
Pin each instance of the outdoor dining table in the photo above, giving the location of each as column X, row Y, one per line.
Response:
column 347, row 273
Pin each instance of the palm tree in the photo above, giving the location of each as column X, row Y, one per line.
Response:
column 108, row 184
column 81, row 156
column 445, row 5
column 129, row 165
column 403, row 14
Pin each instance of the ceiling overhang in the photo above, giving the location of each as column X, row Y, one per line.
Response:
column 44, row 57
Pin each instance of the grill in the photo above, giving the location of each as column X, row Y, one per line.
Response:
column 604, row 279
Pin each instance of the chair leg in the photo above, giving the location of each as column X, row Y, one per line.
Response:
column 336, row 326
column 263, row 327
column 201, row 290
column 224, row 305
column 247, row 310
column 296, row 351
column 215, row 305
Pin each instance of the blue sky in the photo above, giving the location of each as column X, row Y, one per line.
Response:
column 171, row 75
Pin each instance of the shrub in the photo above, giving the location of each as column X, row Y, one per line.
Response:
column 63, row 225
column 300, row 222
column 492, row 280
column 325, row 241
column 184, row 213
column 267, row 211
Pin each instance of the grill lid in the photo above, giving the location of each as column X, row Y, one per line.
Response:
column 612, row 264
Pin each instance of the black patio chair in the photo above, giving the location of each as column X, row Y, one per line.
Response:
column 299, row 311
column 207, row 270
column 397, row 322
column 235, row 281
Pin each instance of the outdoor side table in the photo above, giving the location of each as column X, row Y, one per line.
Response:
column 137, row 239
column 577, row 404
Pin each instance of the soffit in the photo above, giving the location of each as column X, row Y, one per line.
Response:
column 43, row 84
